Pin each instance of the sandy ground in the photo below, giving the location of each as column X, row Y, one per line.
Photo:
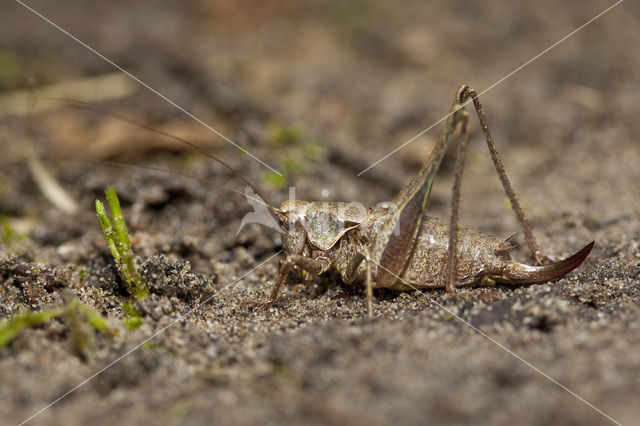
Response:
column 321, row 92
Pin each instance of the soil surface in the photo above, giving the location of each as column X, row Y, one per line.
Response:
column 320, row 91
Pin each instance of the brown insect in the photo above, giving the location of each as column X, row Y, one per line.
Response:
column 400, row 247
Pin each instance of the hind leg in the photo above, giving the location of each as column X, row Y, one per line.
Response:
column 506, row 184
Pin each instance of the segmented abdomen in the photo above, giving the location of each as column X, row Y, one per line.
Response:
column 477, row 254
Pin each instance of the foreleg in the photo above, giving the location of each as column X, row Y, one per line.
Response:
column 309, row 265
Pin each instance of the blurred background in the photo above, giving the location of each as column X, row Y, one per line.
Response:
column 320, row 91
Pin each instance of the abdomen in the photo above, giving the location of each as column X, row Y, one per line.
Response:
column 427, row 268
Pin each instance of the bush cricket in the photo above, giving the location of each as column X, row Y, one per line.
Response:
column 399, row 246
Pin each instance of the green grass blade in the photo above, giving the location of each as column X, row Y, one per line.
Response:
column 108, row 231
column 10, row 329
column 119, row 243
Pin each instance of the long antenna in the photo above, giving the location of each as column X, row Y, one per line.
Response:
column 160, row 169
column 84, row 105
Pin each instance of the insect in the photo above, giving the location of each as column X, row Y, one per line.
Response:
column 402, row 248
column 398, row 246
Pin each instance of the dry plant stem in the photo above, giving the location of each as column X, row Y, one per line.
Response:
column 105, row 87
column 48, row 185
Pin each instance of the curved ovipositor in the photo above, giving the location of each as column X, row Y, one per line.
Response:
column 519, row 273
